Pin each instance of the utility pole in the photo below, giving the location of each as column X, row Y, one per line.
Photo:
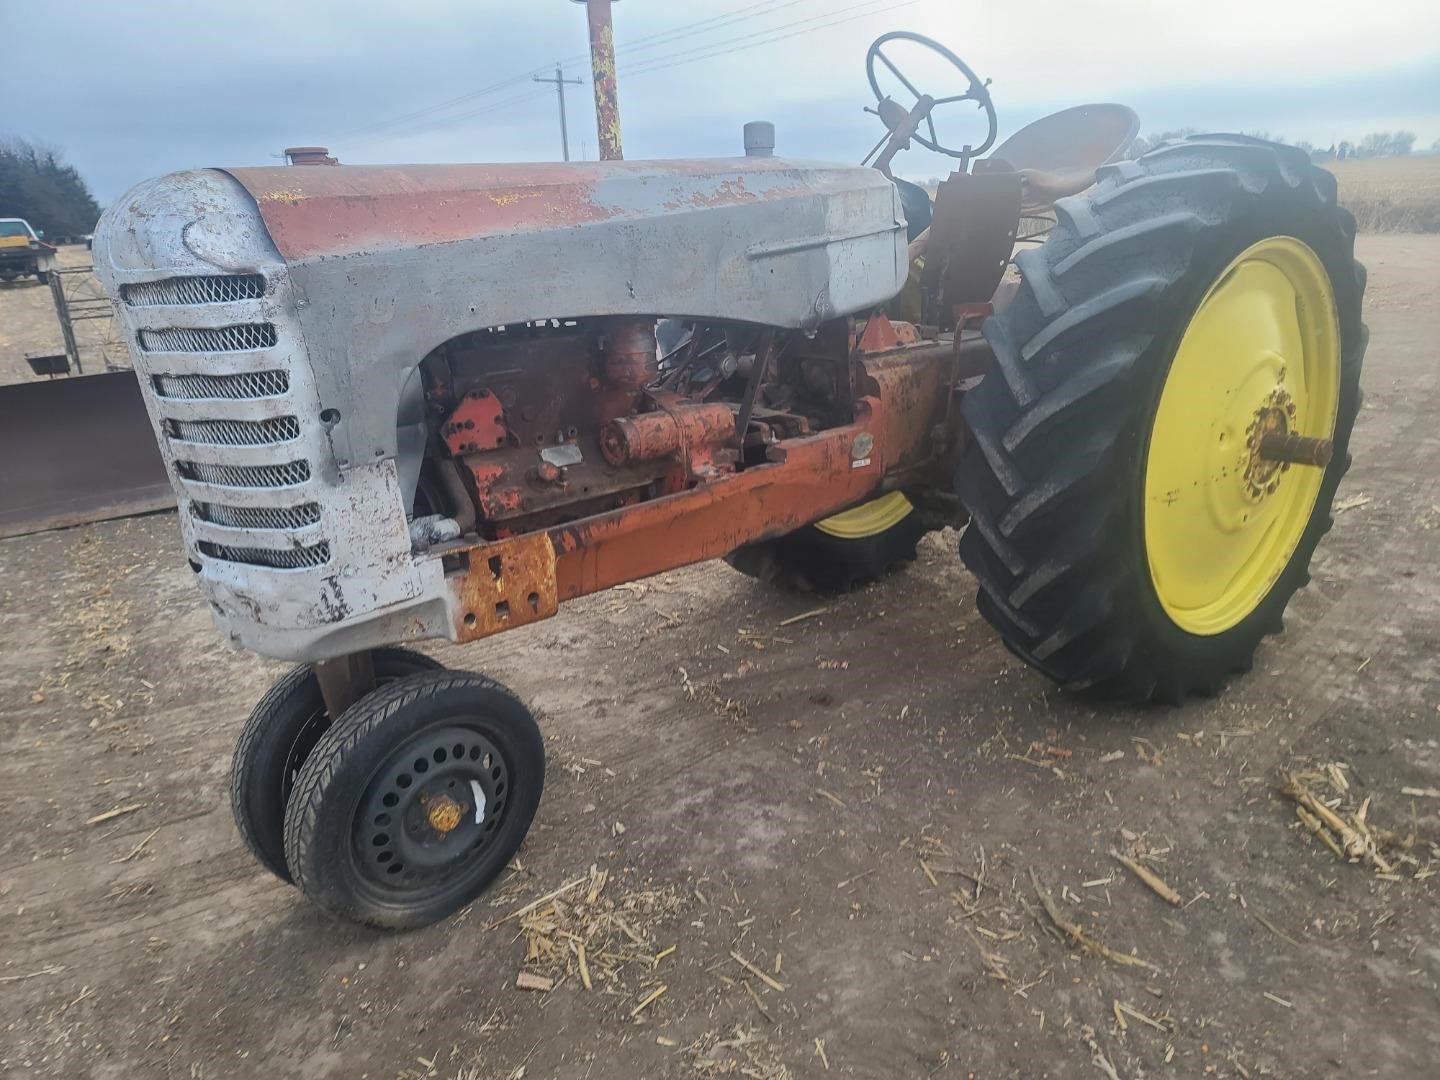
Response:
column 602, row 67
column 559, row 80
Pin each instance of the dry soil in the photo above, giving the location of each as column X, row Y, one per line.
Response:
column 854, row 803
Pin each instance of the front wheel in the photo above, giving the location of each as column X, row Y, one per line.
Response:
column 277, row 738
column 1156, row 451
column 411, row 805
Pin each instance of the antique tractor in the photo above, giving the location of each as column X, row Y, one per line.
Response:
column 408, row 402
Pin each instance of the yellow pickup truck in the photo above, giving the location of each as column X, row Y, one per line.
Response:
column 24, row 251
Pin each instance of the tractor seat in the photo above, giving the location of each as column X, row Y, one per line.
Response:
column 1058, row 154
column 1039, row 190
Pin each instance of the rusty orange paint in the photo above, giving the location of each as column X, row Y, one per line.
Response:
column 497, row 497
column 653, row 435
column 508, row 583
column 478, row 423
column 882, row 334
column 805, row 479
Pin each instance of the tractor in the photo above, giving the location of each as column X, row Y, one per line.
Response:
column 411, row 402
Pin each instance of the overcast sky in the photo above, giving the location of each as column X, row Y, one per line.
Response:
column 134, row 89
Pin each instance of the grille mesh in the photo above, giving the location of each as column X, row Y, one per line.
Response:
column 209, row 289
column 257, row 517
column 246, row 476
column 238, row 338
column 255, row 384
column 289, row 559
column 235, row 432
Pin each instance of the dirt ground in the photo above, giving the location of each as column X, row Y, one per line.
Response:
column 28, row 323
column 853, row 803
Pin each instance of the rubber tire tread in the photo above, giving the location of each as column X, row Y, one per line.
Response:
column 270, row 731
column 811, row 561
column 315, row 871
column 1054, row 476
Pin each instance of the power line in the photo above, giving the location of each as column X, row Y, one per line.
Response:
column 449, row 121
column 665, row 37
column 769, row 36
column 418, row 113
column 697, row 54
column 710, row 24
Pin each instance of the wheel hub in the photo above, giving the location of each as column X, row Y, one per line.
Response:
column 443, row 813
column 434, row 803
column 1262, row 474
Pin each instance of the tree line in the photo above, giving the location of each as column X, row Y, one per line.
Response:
column 1376, row 144
column 36, row 184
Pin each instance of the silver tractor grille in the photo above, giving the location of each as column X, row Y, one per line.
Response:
column 253, row 384
column 245, row 476
column 235, row 432
column 258, row 517
column 218, row 372
column 290, row 559
column 209, row 339
column 208, row 289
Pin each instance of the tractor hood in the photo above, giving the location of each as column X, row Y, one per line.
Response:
column 755, row 208
column 372, row 267
column 754, row 239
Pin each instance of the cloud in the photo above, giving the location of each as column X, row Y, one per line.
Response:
column 175, row 84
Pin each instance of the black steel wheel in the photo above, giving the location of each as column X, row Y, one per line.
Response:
column 277, row 738
column 409, row 807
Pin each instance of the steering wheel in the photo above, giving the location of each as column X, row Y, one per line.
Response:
column 976, row 92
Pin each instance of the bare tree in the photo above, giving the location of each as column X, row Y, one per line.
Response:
column 1376, row 144
column 1385, row 144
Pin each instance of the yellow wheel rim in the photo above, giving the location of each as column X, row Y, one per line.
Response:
column 869, row 518
column 1261, row 354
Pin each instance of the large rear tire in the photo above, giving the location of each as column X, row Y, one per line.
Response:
column 1127, row 536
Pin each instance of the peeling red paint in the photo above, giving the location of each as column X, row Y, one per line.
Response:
column 318, row 212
